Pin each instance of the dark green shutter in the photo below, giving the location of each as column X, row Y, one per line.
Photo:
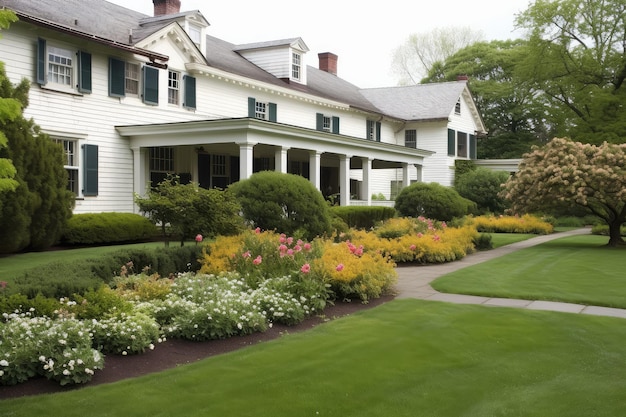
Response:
column 319, row 121
column 41, row 62
column 451, row 142
column 117, row 78
column 150, row 85
column 84, row 72
column 190, row 92
column 251, row 107
column 272, row 112
column 335, row 124
column 90, row 170
column 378, row 125
column 472, row 146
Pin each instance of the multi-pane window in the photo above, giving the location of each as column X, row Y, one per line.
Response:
column 260, row 110
column 410, row 138
column 173, row 87
column 218, row 165
column 327, row 124
column 296, row 65
column 70, row 163
column 59, row 66
column 131, row 79
column 457, row 107
column 162, row 159
column 461, row 144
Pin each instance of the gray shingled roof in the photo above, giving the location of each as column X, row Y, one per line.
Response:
column 416, row 102
column 109, row 21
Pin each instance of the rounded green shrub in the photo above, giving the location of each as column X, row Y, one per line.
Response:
column 98, row 228
column 483, row 186
column 433, row 201
column 285, row 203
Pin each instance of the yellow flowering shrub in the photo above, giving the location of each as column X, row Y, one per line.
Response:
column 143, row 287
column 218, row 255
column 511, row 224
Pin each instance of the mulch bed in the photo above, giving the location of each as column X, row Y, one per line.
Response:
column 172, row 353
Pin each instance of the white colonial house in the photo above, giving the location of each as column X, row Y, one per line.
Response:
column 132, row 98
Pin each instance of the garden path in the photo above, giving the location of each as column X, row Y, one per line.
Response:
column 414, row 282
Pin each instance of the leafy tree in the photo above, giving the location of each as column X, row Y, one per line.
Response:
column 33, row 214
column 483, row 187
column 286, row 203
column 433, row 201
column 190, row 210
column 565, row 174
column 421, row 51
column 577, row 58
column 10, row 109
column 512, row 110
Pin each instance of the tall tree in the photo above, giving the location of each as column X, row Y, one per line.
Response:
column 565, row 174
column 9, row 110
column 577, row 58
column 414, row 59
column 513, row 111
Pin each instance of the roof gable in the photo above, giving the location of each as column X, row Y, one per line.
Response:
column 184, row 46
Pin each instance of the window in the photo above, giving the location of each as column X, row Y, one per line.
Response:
column 262, row 110
column 131, row 79
column 59, row 66
column 195, row 34
column 70, row 163
column 451, row 142
column 461, row 144
column 218, row 164
column 373, row 130
column 296, row 65
column 173, row 87
column 327, row 123
column 63, row 69
column 162, row 159
column 410, row 138
column 457, row 106
column 395, row 188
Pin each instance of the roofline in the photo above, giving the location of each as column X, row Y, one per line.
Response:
column 94, row 38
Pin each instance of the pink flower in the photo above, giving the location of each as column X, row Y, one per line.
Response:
column 246, row 254
column 419, row 235
column 339, row 268
column 257, row 260
column 299, row 242
column 282, row 248
column 305, row 268
column 257, row 230
column 282, row 238
column 444, row 225
column 198, row 238
column 290, row 252
column 412, row 247
column 3, row 284
column 297, row 248
column 289, row 240
column 307, row 247
column 436, row 238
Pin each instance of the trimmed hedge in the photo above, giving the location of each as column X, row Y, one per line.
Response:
column 105, row 228
column 61, row 279
column 363, row 217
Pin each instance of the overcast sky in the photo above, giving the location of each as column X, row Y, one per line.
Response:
column 363, row 34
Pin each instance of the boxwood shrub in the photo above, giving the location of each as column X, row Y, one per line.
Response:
column 363, row 217
column 105, row 228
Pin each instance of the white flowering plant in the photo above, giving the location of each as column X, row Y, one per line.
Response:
column 124, row 333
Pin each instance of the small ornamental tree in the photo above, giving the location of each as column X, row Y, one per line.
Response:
column 286, row 203
column 433, row 201
column 566, row 174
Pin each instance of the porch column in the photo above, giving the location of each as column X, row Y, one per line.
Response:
column 139, row 173
column 314, row 168
column 419, row 172
column 281, row 160
column 344, row 180
column 406, row 180
column 245, row 160
column 366, row 193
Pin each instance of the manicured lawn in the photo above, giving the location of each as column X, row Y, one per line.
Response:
column 502, row 239
column 404, row 358
column 579, row 269
column 14, row 265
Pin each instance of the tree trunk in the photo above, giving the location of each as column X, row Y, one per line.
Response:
column 615, row 235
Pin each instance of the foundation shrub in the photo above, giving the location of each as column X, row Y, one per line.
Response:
column 107, row 228
column 433, row 201
column 512, row 224
column 363, row 217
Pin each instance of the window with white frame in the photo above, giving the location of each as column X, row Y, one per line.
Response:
column 461, row 144
column 162, row 159
column 260, row 110
column 70, row 162
column 131, row 80
column 60, row 66
column 173, row 87
column 195, row 34
column 327, row 123
column 410, row 138
column 296, row 65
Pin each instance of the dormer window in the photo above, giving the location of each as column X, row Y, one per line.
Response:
column 195, row 34
column 296, row 65
column 457, row 107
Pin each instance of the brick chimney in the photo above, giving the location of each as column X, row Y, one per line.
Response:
column 328, row 62
column 164, row 7
column 462, row 77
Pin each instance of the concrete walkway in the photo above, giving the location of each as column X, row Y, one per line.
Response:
column 414, row 282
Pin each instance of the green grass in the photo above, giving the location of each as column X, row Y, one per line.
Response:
column 404, row 358
column 578, row 269
column 502, row 239
column 13, row 265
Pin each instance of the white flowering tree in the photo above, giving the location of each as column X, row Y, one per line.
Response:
column 565, row 173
